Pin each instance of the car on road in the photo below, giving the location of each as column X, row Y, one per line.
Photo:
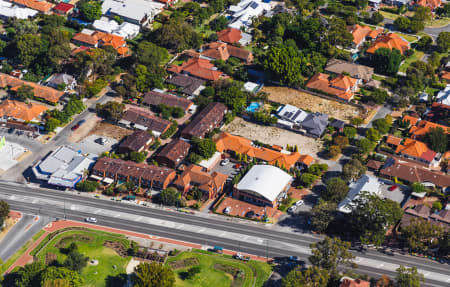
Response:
column 227, row 210
column 393, row 187
column 292, row 209
column 299, row 203
column 91, row 219
column 75, row 127
column 250, row 214
column 225, row 162
column 294, row 258
column 11, row 130
column 81, row 122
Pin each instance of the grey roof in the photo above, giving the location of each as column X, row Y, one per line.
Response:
column 337, row 124
column 355, row 70
column 364, row 183
column 315, row 123
column 61, row 79
column 292, row 114
column 189, row 84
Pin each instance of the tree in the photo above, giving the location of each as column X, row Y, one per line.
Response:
column 137, row 156
column 28, row 48
column 402, row 23
column 353, row 169
column 443, row 41
column 376, row 18
column 334, row 151
column 331, row 253
column 379, row 96
column 204, row 147
column 307, row 179
column 437, row 139
column 4, row 212
column 218, row 23
column 51, row 124
column 75, row 261
column 419, row 235
column 153, row 275
column 311, row 277
column 178, row 35
column 408, row 277
column 417, row 187
column 422, row 13
column 286, row 64
column 28, row 275
column 381, row 125
column 91, row 10
column 65, row 276
column 356, row 121
column 231, row 94
column 110, row 110
column 424, row 43
column 384, row 281
column 150, row 54
column 386, row 61
column 25, row 92
column 350, row 132
column 373, row 135
column 87, row 186
column 170, row 196
column 365, row 146
column 371, row 216
column 322, row 215
column 336, row 190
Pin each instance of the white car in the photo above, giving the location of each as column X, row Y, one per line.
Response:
column 299, row 203
column 91, row 219
column 225, row 162
column 292, row 209
column 227, row 210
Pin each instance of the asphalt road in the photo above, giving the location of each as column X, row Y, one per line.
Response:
column 273, row 241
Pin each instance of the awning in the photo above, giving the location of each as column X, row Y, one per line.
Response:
column 108, row 180
column 96, row 177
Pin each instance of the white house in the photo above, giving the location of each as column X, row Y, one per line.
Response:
column 10, row 10
column 366, row 183
column 243, row 13
column 443, row 96
column 125, row 30
column 292, row 114
column 139, row 12
column 58, row 79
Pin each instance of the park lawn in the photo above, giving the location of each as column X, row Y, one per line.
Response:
column 438, row 22
column 209, row 276
column 94, row 249
column 415, row 57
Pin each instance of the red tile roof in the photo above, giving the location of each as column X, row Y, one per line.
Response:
column 348, row 282
column 40, row 6
column 20, row 110
column 416, row 149
column 199, row 68
column 424, row 127
column 390, row 41
column 412, row 120
column 222, row 51
column 393, row 140
column 229, row 35
column 322, row 83
column 432, row 4
column 359, row 33
column 63, row 7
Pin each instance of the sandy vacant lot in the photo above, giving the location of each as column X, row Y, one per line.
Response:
column 274, row 135
column 312, row 103
column 110, row 130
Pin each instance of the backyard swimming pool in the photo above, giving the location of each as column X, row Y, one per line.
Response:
column 253, row 107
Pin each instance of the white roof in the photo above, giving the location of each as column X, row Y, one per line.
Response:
column 105, row 25
column 265, row 180
column 251, row 87
column 8, row 10
column 443, row 96
column 124, row 30
column 132, row 9
column 245, row 10
column 364, row 183
column 292, row 114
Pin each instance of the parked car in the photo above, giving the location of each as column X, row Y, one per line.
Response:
column 294, row 258
column 81, row 122
column 75, row 127
column 91, row 219
column 11, row 130
column 393, row 187
column 250, row 214
column 227, row 210
column 237, row 166
column 292, row 209
column 225, row 162
column 299, row 203
column 101, row 141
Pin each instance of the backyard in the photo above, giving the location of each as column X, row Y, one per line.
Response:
column 91, row 244
column 418, row 55
column 217, row 270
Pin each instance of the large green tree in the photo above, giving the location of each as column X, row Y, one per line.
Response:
column 62, row 275
column 311, row 277
column 409, row 277
column 28, row 48
column 110, row 110
column 90, row 10
column 437, row 139
column 386, row 61
column 150, row 54
column 336, row 190
column 286, row 64
column 153, row 275
column 322, row 215
column 420, row 234
column 353, row 169
column 443, row 41
column 331, row 253
column 4, row 211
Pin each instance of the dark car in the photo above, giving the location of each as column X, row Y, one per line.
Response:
column 81, row 122
column 11, row 130
column 75, row 127
column 250, row 214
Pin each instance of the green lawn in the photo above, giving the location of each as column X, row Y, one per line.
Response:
column 90, row 243
column 438, row 22
column 415, row 57
column 389, row 15
column 407, row 37
column 255, row 272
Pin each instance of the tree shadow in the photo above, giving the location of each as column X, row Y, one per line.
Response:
column 116, row 281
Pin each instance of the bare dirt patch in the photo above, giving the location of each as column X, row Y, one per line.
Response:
column 313, row 103
column 109, row 130
column 85, row 129
column 274, row 135
column 183, row 263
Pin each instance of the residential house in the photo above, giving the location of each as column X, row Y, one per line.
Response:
column 228, row 143
column 139, row 119
column 315, row 124
column 222, row 51
column 204, row 122
column 393, row 142
column 173, row 153
column 416, row 150
column 245, row 11
column 441, row 218
column 432, row 4
column 64, row 167
column 410, row 119
column 155, row 98
column 445, row 76
column 304, row 161
column 138, row 141
column 349, row 282
column 342, row 86
column 10, row 10
column 389, row 41
column 95, row 39
column 168, row 2
column 210, row 184
column 63, row 8
column 409, row 172
column 365, row 183
column 139, row 12
column 199, row 68
column 359, row 34
column 361, row 72
column 375, row 33
column 20, row 111
column 125, row 30
column 438, row 113
column 443, row 97
column 338, row 125
column 188, row 85
column 46, row 93
column 291, row 117
column 61, row 79
column 41, row 6
column 424, row 127
column 263, row 185
column 229, row 35
column 374, row 165
column 111, row 170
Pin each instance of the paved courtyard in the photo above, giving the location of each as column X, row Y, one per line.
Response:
column 89, row 145
column 10, row 154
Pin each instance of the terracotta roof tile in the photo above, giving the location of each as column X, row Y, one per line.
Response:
column 412, row 120
column 393, row 140
column 424, row 127
column 21, row 110
column 40, row 6
column 229, row 35
column 416, row 149
column 390, row 41
column 432, row 4
column 322, row 83
column 359, row 33
column 199, row 68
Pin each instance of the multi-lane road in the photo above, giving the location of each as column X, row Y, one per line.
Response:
column 204, row 229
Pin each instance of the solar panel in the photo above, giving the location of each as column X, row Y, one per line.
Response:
column 296, row 115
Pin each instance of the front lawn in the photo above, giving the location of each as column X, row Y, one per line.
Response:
column 218, row 271
column 418, row 55
column 91, row 244
column 407, row 37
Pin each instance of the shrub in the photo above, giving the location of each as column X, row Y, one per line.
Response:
column 87, row 186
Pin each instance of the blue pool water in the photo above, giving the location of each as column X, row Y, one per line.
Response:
column 65, row 1
column 253, row 107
